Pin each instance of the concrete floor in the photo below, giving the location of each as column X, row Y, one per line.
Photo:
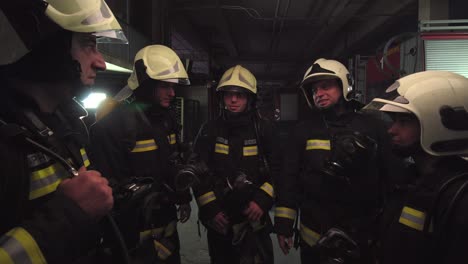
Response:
column 194, row 249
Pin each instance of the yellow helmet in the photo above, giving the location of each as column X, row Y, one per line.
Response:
column 327, row 69
column 160, row 63
column 238, row 77
column 439, row 100
column 87, row 16
column 43, row 18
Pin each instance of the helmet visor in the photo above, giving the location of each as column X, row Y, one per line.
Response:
column 181, row 81
column 391, row 101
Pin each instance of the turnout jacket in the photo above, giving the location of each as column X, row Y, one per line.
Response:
column 229, row 147
column 136, row 141
column 324, row 201
column 39, row 224
column 421, row 204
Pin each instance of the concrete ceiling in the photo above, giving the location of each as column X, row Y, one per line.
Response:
column 278, row 39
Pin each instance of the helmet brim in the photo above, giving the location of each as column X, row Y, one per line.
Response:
column 232, row 88
column 318, row 77
column 386, row 106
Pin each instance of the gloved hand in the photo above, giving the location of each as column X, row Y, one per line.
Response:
column 184, row 212
column 253, row 212
column 221, row 223
column 285, row 243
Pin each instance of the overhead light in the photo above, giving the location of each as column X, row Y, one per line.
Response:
column 93, row 100
column 113, row 67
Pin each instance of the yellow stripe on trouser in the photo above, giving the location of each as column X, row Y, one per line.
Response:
column 160, row 236
column 18, row 246
column 206, row 198
column 85, row 158
column 285, row 212
column 165, row 231
column 318, row 144
column 46, row 180
column 412, row 218
column 309, row 236
column 145, row 145
column 268, row 188
column 221, row 148
column 250, row 151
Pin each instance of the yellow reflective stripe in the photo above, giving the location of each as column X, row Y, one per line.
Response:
column 206, row 198
column 163, row 252
column 18, row 246
column 318, row 144
column 309, row 236
column 412, row 218
column 268, row 188
column 167, row 230
column 85, row 158
column 285, row 212
column 250, row 151
column 221, row 148
column 46, row 180
column 172, row 139
column 145, row 145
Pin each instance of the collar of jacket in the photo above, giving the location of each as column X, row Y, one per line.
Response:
column 239, row 120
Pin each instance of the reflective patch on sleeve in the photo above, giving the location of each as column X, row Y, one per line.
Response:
column 145, row 145
column 285, row 212
column 309, row 236
column 318, row 144
column 206, row 198
column 45, row 181
column 221, row 148
column 85, row 158
column 268, row 188
column 250, row 151
column 18, row 246
column 412, row 218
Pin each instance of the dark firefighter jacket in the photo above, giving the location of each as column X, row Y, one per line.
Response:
column 410, row 208
column 39, row 224
column 229, row 147
column 134, row 141
column 325, row 201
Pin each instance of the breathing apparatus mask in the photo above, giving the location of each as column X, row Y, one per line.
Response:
column 350, row 152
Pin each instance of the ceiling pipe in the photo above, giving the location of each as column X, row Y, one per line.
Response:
column 276, row 35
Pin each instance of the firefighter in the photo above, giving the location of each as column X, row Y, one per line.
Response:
column 425, row 220
column 238, row 148
column 134, row 142
column 333, row 172
column 48, row 56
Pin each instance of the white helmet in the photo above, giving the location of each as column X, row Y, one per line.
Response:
column 327, row 69
column 439, row 100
